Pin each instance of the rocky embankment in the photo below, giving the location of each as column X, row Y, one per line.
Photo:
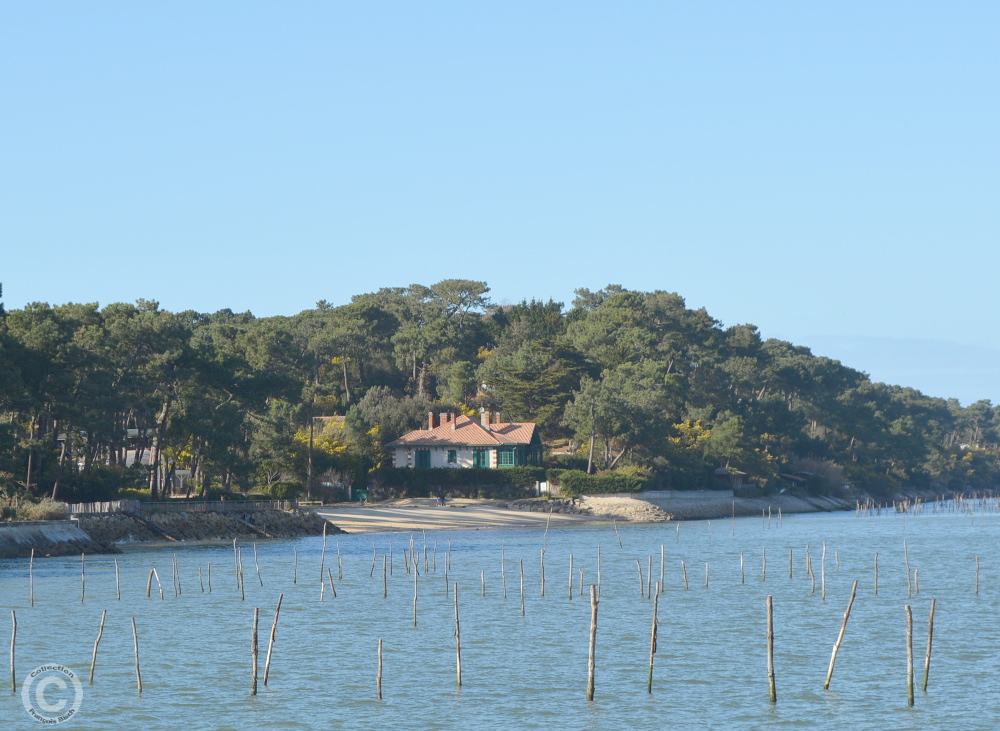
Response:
column 106, row 531
column 624, row 509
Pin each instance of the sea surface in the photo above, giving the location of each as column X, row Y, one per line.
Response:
column 530, row 670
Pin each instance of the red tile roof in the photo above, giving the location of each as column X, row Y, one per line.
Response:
column 468, row 432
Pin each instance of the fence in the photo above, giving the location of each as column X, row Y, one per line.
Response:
column 181, row 506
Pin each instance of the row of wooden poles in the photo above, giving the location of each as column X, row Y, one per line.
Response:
column 960, row 504
column 411, row 566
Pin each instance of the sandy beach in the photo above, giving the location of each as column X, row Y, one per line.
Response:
column 422, row 514
column 465, row 514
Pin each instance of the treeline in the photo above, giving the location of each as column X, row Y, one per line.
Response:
column 97, row 401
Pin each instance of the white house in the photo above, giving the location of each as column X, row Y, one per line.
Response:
column 455, row 440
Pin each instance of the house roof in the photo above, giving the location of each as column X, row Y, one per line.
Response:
column 468, row 432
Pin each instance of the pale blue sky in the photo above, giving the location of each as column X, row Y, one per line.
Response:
column 827, row 171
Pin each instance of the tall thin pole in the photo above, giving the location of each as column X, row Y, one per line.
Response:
column 770, row 649
column 253, row 653
column 652, row 641
column 458, row 641
column 909, row 655
column 378, row 678
column 100, row 633
column 840, row 637
column 270, row 642
column 593, row 643
column 135, row 640
column 930, row 640
column 13, row 640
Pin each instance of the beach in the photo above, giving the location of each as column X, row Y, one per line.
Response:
column 464, row 514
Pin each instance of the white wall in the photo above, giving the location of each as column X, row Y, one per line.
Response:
column 439, row 457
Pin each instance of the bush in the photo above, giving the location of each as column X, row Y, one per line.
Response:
column 508, row 482
column 44, row 509
column 287, row 490
column 573, row 483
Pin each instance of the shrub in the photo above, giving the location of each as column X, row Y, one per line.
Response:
column 507, row 482
column 573, row 483
column 44, row 509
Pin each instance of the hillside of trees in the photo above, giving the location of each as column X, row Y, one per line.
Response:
column 620, row 382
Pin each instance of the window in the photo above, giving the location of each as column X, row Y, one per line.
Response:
column 480, row 458
column 422, row 458
column 507, row 457
column 452, row 456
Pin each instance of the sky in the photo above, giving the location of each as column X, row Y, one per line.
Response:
column 829, row 172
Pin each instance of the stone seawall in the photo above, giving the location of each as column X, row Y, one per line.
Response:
column 104, row 533
column 46, row 537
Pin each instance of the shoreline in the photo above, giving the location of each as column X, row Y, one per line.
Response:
column 409, row 514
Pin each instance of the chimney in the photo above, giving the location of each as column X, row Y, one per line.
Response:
column 497, row 415
column 453, row 420
column 430, row 420
column 484, row 419
column 443, row 418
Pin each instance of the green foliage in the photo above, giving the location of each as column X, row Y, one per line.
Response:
column 41, row 509
column 637, row 379
column 573, row 483
column 509, row 482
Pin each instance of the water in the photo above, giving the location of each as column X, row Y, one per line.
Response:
column 531, row 671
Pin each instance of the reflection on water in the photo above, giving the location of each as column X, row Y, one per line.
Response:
column 531, row 671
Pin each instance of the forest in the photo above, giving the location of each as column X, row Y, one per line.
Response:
column 100, row 402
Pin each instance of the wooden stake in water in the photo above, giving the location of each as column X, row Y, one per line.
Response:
column 649, row 575
column 836, row 558
column 840, row 637
column 789, row 563
column 503, row 569
column 149, row 583
column 906, row 559
column 100, row 633
column 13, row 640
column 253, row 653
column 340, row 564
column 522, row 585
column 822, row 571
column 158, row 584
column 209, row 577
column 685, row 574
column 581, row 582
column 270, row 642
column 201, row 581
column 617, row 533
column 977, row 575
column 385, row 585
column 909, row 656
column 135, row 641
column 876, row 573
column 374, row 556
column 458, row 641
column 542, row 562
column 706, row 574
column 83, row 577
column 295, row 566
column 660, row 586
column 742, row 575
column 930, row 640
column 652, row 641
column 591, row 662
column 31, row 578
column 770, row 650
column 763, row 568
column 378, row 677
column 642, row 585
column 118, row 586
column 415, row 576
column 333, row 589
column 570, row 589
column 598, row 571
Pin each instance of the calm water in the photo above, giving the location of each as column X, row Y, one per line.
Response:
column 531, row 671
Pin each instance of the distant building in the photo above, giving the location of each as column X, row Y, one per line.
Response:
column 455, row 440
